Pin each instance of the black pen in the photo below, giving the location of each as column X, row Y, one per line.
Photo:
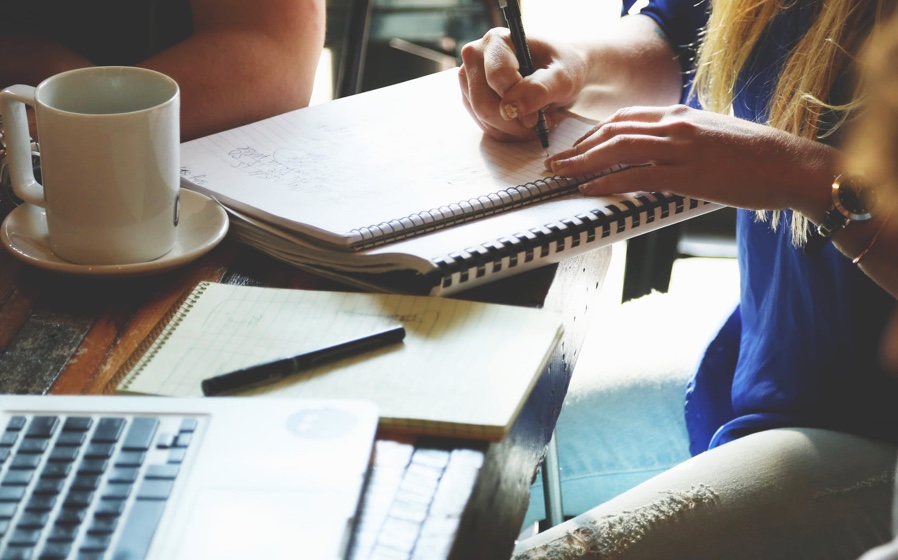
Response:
column 512, row 12
column 272, row 371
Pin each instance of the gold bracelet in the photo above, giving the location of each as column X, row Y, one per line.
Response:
column 873, row 240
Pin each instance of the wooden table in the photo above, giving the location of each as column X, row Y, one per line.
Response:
column 64, row 334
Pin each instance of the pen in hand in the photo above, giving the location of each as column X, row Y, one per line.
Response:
column 270, row 372
column 512, row 12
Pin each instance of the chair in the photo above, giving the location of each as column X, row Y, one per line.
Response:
column 377, row 43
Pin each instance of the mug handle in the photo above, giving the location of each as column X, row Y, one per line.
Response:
column 15, row 121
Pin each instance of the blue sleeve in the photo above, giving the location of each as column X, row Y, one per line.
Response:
column 681, row 20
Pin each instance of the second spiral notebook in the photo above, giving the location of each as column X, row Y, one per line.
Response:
column 398, row 189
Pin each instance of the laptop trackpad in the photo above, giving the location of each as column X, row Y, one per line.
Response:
column 266, row 524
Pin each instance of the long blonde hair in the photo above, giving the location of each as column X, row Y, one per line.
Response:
column 825, row 54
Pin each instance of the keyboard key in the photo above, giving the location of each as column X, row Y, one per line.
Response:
column 25, row 462
column 62, row 533
column 116, row 491
column 92, row 466
column 188, row 425
column 123, row 474
column 153, row 489
column 177, row 455
column 55, row 551
column 70, row 439
column 70, row 517
column 17, row 553
column 63, row 454
column 24, row 537
column 49, row 486
column 140, row 434
column 34, row 446
column 77, row 499
column 130, row 459
column 97, row 450
column 137, row 533
column 95, row 542
column 42, row 427
column 8, row 438
column 77, row 424
column 109, row 429
column 103, row 524
column 12, row 493
column 16, row 423
column 33, row 520
column 8, row 509
column 18, row 478
column 167, row 471
column 5, row 452
column 56, row 470
column 4, row 527
column 183, row 439
column 109, row 508
column 86, row 481
column 164, row 441
column 40, row 503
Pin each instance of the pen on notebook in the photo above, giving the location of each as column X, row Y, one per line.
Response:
column 272, row 371
column 512, row 12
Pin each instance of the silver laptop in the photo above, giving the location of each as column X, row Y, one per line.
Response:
column 129, row 477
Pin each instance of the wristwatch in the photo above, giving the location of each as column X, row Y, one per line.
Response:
column 854, row 200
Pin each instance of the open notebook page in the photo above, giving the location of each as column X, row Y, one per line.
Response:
column 463, row 369
column 365, row 159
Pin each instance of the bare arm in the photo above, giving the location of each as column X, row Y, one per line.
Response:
column 245, row 61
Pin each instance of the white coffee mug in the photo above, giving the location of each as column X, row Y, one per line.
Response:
column 109, row 141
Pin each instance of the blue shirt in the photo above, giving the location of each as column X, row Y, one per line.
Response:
column 801, row 349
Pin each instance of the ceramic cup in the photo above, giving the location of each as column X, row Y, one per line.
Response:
column 109, row 141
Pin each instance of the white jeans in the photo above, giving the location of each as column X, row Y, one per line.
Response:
column 779, row 494
column 625, row 463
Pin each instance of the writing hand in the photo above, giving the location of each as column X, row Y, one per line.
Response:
column 500, row 100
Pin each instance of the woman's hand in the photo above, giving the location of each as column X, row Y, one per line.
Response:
column 705, row 155
column 505, row 104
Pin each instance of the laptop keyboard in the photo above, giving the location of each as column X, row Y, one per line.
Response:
column 413, row 505
column 87, row 486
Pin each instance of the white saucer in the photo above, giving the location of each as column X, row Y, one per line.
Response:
column 203, row 225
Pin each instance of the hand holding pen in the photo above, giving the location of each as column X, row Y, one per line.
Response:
column 512, row 12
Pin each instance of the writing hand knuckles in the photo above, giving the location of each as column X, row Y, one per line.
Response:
column 472, row 53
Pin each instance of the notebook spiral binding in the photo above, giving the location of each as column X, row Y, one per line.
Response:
column 150, row 345
column 465, row 211
column 536, row 243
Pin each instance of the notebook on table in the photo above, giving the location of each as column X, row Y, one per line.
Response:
column 149, row 477
column 398, row 189
column 464, row 369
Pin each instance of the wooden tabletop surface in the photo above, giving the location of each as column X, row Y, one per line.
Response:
column 65, row 334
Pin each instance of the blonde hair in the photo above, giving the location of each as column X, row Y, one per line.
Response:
column 825, row 54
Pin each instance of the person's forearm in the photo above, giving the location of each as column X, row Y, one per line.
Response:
column 232, row 74
column 30, row 60
column 632, row 64
column 232, row 78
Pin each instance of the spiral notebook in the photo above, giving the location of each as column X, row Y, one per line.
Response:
column 464, row 369
column 399, row 189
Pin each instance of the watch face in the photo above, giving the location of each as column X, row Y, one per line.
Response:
column 854, row 198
